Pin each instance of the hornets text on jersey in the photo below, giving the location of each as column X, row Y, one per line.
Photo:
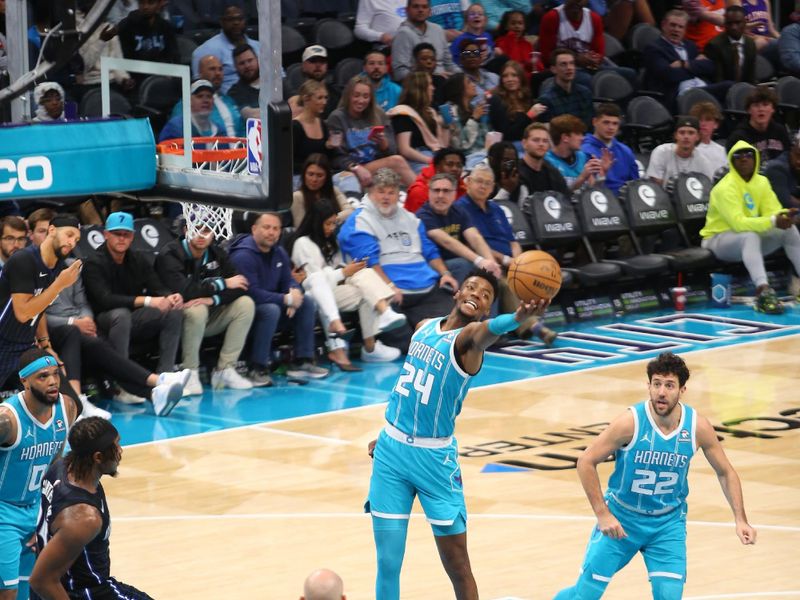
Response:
column 650, row 474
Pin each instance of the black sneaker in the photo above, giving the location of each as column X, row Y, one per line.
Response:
column 767, row 302
column 259, row 377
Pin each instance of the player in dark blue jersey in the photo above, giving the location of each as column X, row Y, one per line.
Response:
column 74, row 521
column 644, row 508
column 416, row 454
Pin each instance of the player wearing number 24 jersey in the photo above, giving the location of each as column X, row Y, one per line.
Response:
column 416, row 454
column 644, row 508
column 33, row 429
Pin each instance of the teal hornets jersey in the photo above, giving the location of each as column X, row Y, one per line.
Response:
column 24, row 463
column 650, row 474
column 430, row 391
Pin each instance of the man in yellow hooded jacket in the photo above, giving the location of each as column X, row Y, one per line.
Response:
column 746, row 222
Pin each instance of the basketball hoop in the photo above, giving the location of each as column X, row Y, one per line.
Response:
column 219, row 154
column 204, row 218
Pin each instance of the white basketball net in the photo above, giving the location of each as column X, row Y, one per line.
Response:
column 202, row 218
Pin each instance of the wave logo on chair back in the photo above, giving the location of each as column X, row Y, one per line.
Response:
column 600, row 201
column 695, row 187
column 648, row 195
column 552, row 206
column 150, row 235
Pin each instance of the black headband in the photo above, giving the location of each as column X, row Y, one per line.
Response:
column 65, row 221
column 99, row 444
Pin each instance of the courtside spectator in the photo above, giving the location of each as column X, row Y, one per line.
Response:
column 510, row 107
column 784, row 175
column 316, row 185
column 414, row 30
column 732, row 52
column 279, row 301
column 447, row 160
column 315, row 67
column 368, row 141
column 222, row 45
column 387, row 92
column 461, row 245
column 130, row 301
column 761, row 130
column 746, row 222
column 245, row 91
column 534, row 172
column 604, row 143
column 565, row 96
column 13, row 237
column 204, row 122
column 396, row 246
column 145, row 35
column 681, row 156
column 379, row 20
column 576, row 166
column 710, row 118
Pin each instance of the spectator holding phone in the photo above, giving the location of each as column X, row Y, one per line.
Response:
column 337, row 285
column 466, row 114
column 474, row 31
column 368, row 141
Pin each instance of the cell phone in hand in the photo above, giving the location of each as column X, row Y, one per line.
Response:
column 375, row 132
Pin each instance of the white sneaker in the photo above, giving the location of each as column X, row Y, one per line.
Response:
column 390, row 320
column 128, row 398
column 229, row 378
column 173, row 376
column 90, row 410
column 380, row 353
column 192, row 387
column 166, row 397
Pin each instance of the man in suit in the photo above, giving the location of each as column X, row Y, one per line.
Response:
column 732, row 52
column 673, row 63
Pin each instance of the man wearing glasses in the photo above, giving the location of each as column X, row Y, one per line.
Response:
column 14, row 236
column 746, row 222
column 222, row 45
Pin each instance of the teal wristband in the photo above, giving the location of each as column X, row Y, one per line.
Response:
column 503, row 324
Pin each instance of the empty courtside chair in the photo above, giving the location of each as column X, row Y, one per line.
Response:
column 346, row 69
column 92, row 104
column 555, row 225
column 690, row 193
column 293, row 79
column 788, row 90
column 610, row 86
column 642, row 35
column 735, row 100
column 185, row 48
column 91, row 239
column 335, row 36
column 613, row 46
column 651, row 212
column 292, row 44
column 157, row 96
column 764, row 69
column 692, row 96
column 647, row 124
column 151, row 235
column 603, row 219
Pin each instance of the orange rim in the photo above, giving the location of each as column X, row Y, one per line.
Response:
column 175, row 146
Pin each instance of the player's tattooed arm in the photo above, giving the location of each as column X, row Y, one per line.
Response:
column 7, row 428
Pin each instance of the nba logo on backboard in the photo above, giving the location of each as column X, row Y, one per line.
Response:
column 254, row 154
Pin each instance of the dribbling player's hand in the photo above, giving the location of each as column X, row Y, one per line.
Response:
column 608, row 525
column 371, row 448
column 746, row 533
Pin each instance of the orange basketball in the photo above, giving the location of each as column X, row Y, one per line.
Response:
column 534, row 275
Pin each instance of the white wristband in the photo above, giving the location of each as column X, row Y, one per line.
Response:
column 70, row 321
column 148, row 300
column 289, row 301
column 478, row 260
column 506, row 260
column 774, row 220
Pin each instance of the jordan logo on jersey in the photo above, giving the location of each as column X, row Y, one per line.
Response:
column 645, row 437
column 29, row 433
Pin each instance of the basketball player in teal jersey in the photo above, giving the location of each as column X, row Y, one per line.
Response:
column 416, row 453
column 33, row 429
column 644, row 509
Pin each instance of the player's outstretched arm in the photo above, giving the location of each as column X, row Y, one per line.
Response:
column 77, row 526
column 612, row 438
column 728, row 478
column 475, row 338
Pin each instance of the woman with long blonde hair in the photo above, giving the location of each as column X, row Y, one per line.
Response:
column 510, row 109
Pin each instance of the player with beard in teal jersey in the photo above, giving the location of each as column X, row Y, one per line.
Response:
column 33, row 429
column 644, row 508
column 416, row 453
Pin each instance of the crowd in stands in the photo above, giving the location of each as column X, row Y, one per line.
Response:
column 400, row 170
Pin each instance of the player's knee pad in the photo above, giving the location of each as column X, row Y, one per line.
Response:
column 458, row 526
column 590, row 586
column 666, row 588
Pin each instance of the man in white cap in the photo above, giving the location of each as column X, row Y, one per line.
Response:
column 204, row 122
column 315, row 66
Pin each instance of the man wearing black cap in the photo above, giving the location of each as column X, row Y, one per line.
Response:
column 670, row 159
column 33, row 429
column 75, row 523
column 30, row 281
